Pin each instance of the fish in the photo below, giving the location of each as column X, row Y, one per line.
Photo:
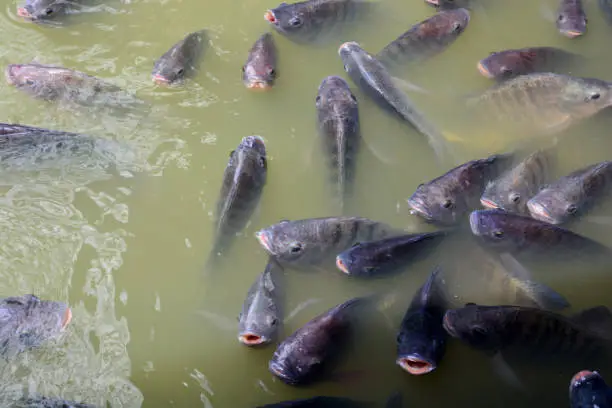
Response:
column 45, row 402
column 573, row 195
column 506, row 64
column 260, row 70
column 59, row 84
column 542, row 103
column 243, row 182
column 338, row 124
column 588, row 389
column 517, row 234
column 318, row 402
column 303, row 357
column 449, row 198
column 46, row 11
column 571, row 18
column 449, row 4
column 426, row 39
column 381, row 257
column 372, row 77
column 312, row 241
column 181, row 60
column 513, row 189
column 26, row 322
column 312, row 21
column 261, row 316
column 538, row 332
column 606, row 7
column 421, row 341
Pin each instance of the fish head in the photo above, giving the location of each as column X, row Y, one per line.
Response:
column 589, row 389
column 258, row 330
column 499, row 195
column 287, row 242
column 288, row 18
column 349, row 53
column 498, row 228
column 42, row 10
column 168, row 71
column 334, row 89
column 474, row 325
column 291, row 368
column 571, row 23
column 583, row 97
column 419, row 351
column 253, row 143
column 553, row 206
column 258, row 77
column 416, row 364
column 502, row 65
column 446, row 24
column 357, row 261
column 40, row 80
column 436, row 204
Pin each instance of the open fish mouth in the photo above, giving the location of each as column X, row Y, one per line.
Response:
column 433, row 2
column 474, row 223
column 258, row 85
column 417, row 208
column 583, row 376
column 484, row 70
column 540, row 213
column 11, row 73
column 279, row 371
column 67, row 318
column 415, row 365
column 448, row 326
column 341, row 265
column 487, row 203
column 264, row 240
column 251, row 339
column 160, row 79
column 572, row 33
column 270, row 17
column 24, row 13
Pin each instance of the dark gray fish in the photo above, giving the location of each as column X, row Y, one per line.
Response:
column 302, row 357
column 427, row 38
column 260, row 70
column 502, row 65
column 606, row 7
column 449, row 4
column 372, row 77
column 66, row 85
column 571, row 18
column 44, row 402
column 513, row 233
column 588, row 389
column 318, row 402
column 387, row 255
column 338, row 123
column 315, row 240
column 513, row 189
column 449, row 198
column 310, row 21
column 181, row 60
column 243, row 182
column 46, row 11
column 261, row 315
column 573, row 195
column 498, row 328
column 421, row 341
column 27, row 322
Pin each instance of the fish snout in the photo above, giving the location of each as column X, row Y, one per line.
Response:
column 347, row 47
column 11, row 73
column 67, row 318
column 447, row 323
column 279, row 371
column 571, row 33
column 540, row 212
column 257, row 85
column 342, row 265
column 582, row 376
column 488, row 203
column 160, row 79
column 24, row 13
column 270, row 17
column 263, row 237
column 251, row 339
column 415, row 364
column 484, row 71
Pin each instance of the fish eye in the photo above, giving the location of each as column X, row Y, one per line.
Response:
column 180, row 71
column 296, row 248
column 295, row 21
column 29, row 82
column 13, row 301
column 515, row 197
column 354, row 98
column 271, row 71
column 318, row 99
column 346, row 68
column 243, row 68
column 498, row 234
column 456, row 27
column 447, row 204
column 506, row 71
column 571, row 209
column 561, row 18
column 274, row 322
column 595, row 96
column 49, row 11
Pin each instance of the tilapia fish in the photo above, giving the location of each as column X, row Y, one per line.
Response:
column 573, row 195
column 373, row 78
column 571, row 18
column 46, row 11
column 606, row 7
column 243, row 183
column 502, row 65
column 261, row 316
column 449, row 198
column 376, row 258
column 542, row 103
column 338, row 123
column 259, row 72
column 514, row 188
column 588, row 389
column 44, row 402
column 421, row 341
column 181, row 60
column 302, row 357
column 314, row 241
column 426, row 39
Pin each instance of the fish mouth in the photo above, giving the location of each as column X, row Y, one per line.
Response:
column 583, row 376
column 488, row 203
column 415, row 364
column 448, row 326
column 484, row 71
column 10, row 73
column 270, row 17
column 160, row 79
column 433, row 2
column 418, row 208
column 474, row 224
column 24, row 13
column 279, row 371
column 341, row 265
column 67, row 318
column 258, row 85
column 540, row 213
column 346, row 46
column 251, row 339
column 264, row 240
column 572, row 33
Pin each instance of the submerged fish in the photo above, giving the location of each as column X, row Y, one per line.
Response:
column 46, row 11
column 606, row 7
column 315, row 240
column 542, row 103
column 572, row 195
column 44, row 402
column 387, row 255
column 514, row 188
column 571, row 18
column 421, row 342
column 512, row 63
column 181, row 60
column 449, row 4
column 318, row 402
column 588, row 389
column 449, row 198
column 373, row 78
column 338, row 123
column 27, row 322
column 243, row 183
column 259, row 72
column 307, row 21
column 427, row 38
column 261, row 315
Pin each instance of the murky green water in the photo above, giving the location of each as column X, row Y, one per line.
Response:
column 125, row 247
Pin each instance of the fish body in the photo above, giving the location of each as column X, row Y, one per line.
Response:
column 372, row 77
column 449, row 4
column 302, row 357
column 511, row 63
column 261, row 315
column 259, row 72
column 313, row 241
column 44, row 402
column 588, row 389
column 243, row 183
column 426, row 39
column 571, row 18
column 387, row 255
column 338, row 124
column 449, row 198
column 181, row 60
column 573, row 195
column 421, row 341
column 513, row 189
column 606, row 8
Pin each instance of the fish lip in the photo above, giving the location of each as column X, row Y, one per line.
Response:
column 433, row 2
column 160, row 80
column 24, row 13
column 279, row 371
column 252, row 339
column 488, row 203
column 582, row 376
column 404, row 362
column 474, row 218
column 67, row 318
column 540, row 212
column 264, row 241
column 484, row 71
column 447, row 325
column 418, row 207
column 346, row 45
column 572, row 33
column 270, row 17
column 340, row 264
column 257, row 85
column 10, row 76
